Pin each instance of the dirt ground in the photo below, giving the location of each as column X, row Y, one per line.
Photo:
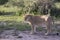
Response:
column 24, row 35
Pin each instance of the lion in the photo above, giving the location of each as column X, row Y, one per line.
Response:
column 39, row 20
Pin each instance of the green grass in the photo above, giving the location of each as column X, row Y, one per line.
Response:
column 11, row 18
column 14, row 22
column 57, row 5
column 9, row 9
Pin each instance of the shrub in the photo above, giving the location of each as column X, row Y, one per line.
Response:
column 3, row 2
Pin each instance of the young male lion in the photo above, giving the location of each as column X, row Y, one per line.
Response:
column 41, row 20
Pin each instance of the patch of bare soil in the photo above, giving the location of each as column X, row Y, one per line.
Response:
column 11, row 35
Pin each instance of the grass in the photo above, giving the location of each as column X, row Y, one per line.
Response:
column 9, row 9
column 11, row 18
column 57, row 5
column 14, row 22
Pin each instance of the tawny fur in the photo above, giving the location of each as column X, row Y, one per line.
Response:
column 36, row 21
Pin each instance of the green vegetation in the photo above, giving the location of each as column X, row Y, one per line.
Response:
column 19, row 7
column 13, row 22
column 11, row 12
column 11, row 18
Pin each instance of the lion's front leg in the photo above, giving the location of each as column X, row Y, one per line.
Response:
column 49, row 30
column 33, row 29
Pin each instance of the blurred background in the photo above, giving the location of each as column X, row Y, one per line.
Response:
column 12, row 11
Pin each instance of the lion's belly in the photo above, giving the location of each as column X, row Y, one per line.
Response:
column 41, row 25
